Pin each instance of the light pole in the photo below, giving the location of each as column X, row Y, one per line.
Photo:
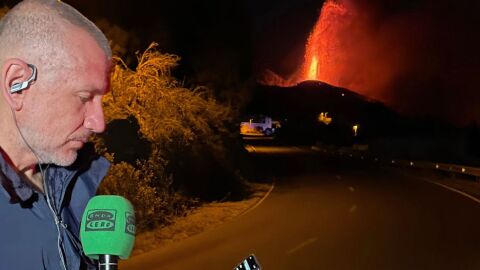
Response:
column 355, row 129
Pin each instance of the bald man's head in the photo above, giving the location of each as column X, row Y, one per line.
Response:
column 50, row 119
column 38, row 30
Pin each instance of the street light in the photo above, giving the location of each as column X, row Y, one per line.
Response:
column 355, row 128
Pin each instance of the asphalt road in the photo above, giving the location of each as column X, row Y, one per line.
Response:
column 333, row 213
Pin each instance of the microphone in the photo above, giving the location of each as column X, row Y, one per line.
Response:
column 107, row 230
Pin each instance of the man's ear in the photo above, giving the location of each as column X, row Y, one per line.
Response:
column 14, row 71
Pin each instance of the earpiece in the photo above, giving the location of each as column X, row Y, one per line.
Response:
column 17, row 87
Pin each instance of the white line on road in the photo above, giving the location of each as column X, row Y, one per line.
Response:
column 260, row 201
column 302, row 245
column 447, row 187
column 451, row 189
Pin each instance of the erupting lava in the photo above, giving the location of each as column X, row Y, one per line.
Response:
column 394, row 55
column 324, row 60
column 313, row 70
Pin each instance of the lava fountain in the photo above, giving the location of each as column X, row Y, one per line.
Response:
column 323, row 59
column 399, row 57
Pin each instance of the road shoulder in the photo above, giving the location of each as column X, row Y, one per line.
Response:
column 204, row 218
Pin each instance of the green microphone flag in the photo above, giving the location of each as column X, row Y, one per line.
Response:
column 108, row 227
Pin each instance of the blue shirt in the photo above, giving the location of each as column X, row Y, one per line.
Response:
column 34, row 236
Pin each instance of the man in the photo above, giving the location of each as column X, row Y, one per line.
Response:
column 55, row 67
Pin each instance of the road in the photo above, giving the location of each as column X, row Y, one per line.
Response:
column 334, row 213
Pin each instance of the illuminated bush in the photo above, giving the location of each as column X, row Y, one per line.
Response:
column 164, row 109
column 149, row 190
column 3, row 11
column 182, row 126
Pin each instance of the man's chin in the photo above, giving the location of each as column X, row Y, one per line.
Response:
column 67, row 161
column 63, row 159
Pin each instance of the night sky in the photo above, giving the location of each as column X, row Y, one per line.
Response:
column 229, row 44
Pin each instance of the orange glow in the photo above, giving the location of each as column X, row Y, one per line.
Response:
column 323, row 59
column 323, row 118
column 322, row 49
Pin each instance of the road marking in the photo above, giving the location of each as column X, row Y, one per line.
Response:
column 260, row 201
column 445, row 187
column 353, row 208
column 302, row 245
column 451, row 189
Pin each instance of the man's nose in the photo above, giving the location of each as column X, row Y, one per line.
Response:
column 94, row 117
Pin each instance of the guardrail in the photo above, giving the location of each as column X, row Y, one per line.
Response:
column 444, row 167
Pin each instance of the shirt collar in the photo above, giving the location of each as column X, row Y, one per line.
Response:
column 18, row 189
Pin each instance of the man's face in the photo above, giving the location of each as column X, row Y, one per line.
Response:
column 61, row 113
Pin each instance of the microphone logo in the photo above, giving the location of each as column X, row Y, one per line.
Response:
column 130, row 223
column 108, row 228
column 102, row 220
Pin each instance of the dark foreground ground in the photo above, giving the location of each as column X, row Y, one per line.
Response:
column 333, row 213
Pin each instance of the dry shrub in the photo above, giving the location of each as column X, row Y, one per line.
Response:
column 165, row 111
column 173, row 119
column 149, row 190
column 4, row 11
column 124, row 179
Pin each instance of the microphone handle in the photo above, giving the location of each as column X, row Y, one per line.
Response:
column 108, row 262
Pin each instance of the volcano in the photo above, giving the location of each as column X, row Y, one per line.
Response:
column 325, row 58
column 299, row 107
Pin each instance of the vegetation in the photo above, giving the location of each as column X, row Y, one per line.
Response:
column 3, row 11
column 186, row 131
column 164, row 109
